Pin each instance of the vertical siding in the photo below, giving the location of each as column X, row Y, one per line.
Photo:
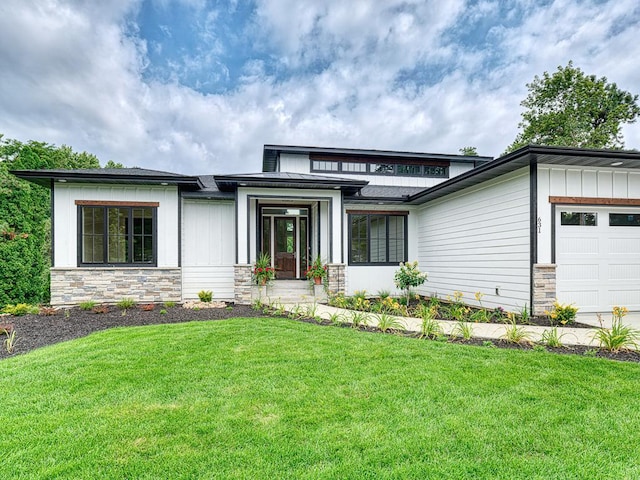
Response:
column 208, row 248
column 556, row 180
column 477, row 240
column 66, row 217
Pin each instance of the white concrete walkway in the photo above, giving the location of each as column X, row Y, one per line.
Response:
column 491, row 331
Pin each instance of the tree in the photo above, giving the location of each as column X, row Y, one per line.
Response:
column 25, row 219
column 469, row 151
column 571, row 109
column 112, row 164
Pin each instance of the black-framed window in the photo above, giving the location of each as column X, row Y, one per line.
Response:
column 387, row 169
column 117, row 235
column 585, row 219
column 377, row 239
column 624, row 220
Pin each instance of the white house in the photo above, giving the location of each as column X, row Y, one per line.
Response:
column 524, row 229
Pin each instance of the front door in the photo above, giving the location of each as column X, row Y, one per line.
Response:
column 285, row 247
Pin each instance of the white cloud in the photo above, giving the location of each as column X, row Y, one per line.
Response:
column 70, row 74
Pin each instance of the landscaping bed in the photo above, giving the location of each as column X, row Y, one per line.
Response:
column 34, row 331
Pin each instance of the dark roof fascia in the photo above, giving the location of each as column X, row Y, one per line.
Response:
column 232, row 182
column 44, row 177
column 509, row 163
column 514, row 161
column 377, row 200
column 206, row 195
column 271, row 152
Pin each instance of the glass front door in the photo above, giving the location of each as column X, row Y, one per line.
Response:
column 285, row 237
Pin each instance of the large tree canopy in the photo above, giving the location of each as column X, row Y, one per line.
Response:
column 571, row 109
column 25, row 217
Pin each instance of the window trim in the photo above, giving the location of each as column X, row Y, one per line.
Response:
column 106, row 205
column 390, row 173
column 386, row 214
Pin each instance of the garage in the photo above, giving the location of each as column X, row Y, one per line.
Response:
column 597, row 253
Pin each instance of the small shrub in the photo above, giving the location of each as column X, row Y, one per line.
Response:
column 256, row 305
column 100, row 309
column 360, row 294
column 551, row 338
column 163, row 312
column 10, row 341
column 20, row 309
column 336, row 318
column 169, row 304
column 430, row 328
column 563, row 314
column 619, row 336
column 125, row 304
column 489, row 344
column 205, row 296
column 48, row 311
column 539, row 348
column 525, row 316
column 592, row 352
column 338, row 301
column 382, row 294
column 389, row 323
column 148, row 307
column 88, row 305
column 359, row 319
column 463, row 330
column 516, row 334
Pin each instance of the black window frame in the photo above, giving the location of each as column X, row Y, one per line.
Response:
column 391, row 170
column 130, row 236
column 386, row 216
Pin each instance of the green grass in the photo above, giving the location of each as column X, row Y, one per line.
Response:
column 274, row 398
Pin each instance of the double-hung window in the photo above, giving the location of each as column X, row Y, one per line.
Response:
column 117, row 234
column 377, row 238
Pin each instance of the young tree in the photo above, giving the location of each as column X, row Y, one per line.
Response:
column 571, row 109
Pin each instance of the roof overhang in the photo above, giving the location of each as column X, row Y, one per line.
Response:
column 526, row 156
column 227, row 183
column 45, row 177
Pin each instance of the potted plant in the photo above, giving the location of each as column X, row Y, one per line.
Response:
column 262, row 270
column 317, row 271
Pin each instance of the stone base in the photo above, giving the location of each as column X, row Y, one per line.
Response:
column 336, row 278
column 544, row 288
column 70, row 286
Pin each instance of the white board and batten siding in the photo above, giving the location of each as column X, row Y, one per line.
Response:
column 598, row 265
column 477, row 240
column 66, row 217
column 208, row 248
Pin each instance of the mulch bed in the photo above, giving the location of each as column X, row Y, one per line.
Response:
column 35, row 331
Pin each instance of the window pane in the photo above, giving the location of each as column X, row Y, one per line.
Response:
column 359, row 244
column 354, row 167
column 384, row 168
column 431, row 171
column 266, row 235
column 408, row 169
column 579, row 218
column 92, row 228
column 624, row 219
column 396, row 239
column 118, row 235
column 324, row 166
column 378, row 244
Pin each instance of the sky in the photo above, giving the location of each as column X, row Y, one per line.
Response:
column 199, row 86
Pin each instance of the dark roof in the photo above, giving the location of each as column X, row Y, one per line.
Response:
column 108, row 175
column 209, row 190
column 383, row 194
column 271, row 152
column 524, row 157
column 288, row 180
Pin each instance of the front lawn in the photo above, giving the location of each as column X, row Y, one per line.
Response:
column 274, row 398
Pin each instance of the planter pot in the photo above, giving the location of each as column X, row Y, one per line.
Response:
column 317, row 280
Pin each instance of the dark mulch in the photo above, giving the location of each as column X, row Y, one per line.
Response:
column 34, row 331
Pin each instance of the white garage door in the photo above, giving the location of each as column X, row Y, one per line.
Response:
column 598, row 257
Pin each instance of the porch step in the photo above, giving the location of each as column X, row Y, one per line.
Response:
column 290, row 291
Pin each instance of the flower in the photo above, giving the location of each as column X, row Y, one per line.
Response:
column 317, row 269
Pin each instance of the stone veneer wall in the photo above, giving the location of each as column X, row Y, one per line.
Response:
column 544, row 287
column 109, row 285
column 335, row 278
column 242, row 281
